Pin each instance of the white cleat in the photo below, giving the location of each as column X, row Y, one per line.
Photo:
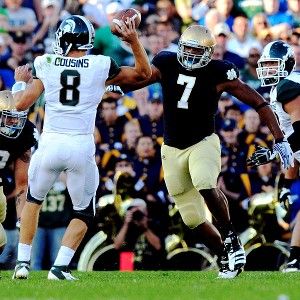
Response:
column 21, row 270
column 227, row 274
column 60, row 273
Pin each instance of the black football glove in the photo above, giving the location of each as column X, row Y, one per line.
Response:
column 261, row 156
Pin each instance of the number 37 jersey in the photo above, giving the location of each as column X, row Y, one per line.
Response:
column 73, row 89
column 190, row 98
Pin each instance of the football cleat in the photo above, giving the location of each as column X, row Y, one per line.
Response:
column 224, row 271
column 60, row 273
column 21, row 270
column 236, row 252
column 292, row 266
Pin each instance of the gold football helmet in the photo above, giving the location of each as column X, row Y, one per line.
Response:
column 11, row 121
column 195, row 47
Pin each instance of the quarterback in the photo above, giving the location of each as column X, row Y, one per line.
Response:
column 73, row 83
column 191, row 157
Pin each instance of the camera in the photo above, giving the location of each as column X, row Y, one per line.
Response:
column 137, row 215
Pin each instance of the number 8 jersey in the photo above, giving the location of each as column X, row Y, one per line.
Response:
column 73, row 89
column 190, row 98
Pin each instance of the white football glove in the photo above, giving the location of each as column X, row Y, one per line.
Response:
column 283, row 149
column 114, row 89
column 285, row 198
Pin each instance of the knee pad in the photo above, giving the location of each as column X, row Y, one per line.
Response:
column 2, row 205
column 191, row 208
column 3, row 238
column 86, row 215
column 31, row 199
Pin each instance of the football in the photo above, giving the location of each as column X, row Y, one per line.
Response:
column 123, row 15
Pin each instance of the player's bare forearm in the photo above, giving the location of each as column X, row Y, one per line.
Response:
column 266, row 114
column 142, row 64
column 249, row 96
column 24, row 99
column 292, row 172
column 21, row 180
column 129, row 77
column 142, row 69
column 135, row 85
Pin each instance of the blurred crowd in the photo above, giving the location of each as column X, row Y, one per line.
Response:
column 129, row 127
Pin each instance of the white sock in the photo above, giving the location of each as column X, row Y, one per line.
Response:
column 24, row 252
column 64, row 256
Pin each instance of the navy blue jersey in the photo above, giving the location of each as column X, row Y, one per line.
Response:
column 190, row 98
column 11, row 149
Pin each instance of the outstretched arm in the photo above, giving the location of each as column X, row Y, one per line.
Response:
column 249, row 96
column 281, row 147
column 142, row 69
column 127, row 86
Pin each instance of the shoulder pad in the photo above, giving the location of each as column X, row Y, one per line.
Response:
column 287, row 90
column 224, row 70
column 162, row 59
column 41, row 64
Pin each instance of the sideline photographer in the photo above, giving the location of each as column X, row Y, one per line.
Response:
column 138, row 235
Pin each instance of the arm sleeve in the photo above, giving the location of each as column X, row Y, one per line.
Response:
column 34, row 72
column 114, row 69
column 287, row 90
column 29, row 137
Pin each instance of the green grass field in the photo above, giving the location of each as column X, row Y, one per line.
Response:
column 153, row 285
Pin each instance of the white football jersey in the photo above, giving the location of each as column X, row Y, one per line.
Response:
column 73, row 89
column 283, row 117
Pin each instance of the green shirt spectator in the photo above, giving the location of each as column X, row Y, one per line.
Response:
column 249, row 7
column 108, row 44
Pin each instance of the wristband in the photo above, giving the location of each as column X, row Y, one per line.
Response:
column 18, row 86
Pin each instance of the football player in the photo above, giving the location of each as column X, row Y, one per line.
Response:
column 275, row 68
column 192, row 83
column 73, row 83
column 17, row 136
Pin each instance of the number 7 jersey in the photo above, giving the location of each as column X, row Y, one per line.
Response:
column 73, row 89
column 190, row 98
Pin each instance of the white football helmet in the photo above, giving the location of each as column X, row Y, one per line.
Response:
column 276, row 62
